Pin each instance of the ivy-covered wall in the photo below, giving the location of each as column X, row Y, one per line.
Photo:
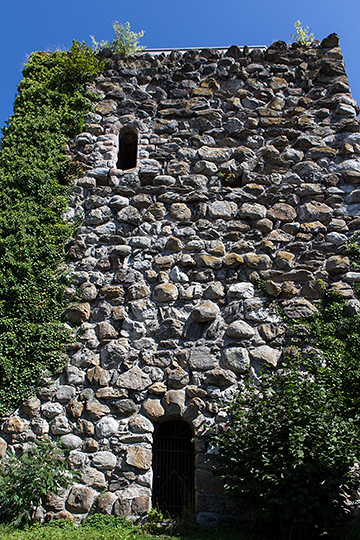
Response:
column 35, row 178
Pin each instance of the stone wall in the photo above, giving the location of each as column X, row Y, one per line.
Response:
column 248, row 172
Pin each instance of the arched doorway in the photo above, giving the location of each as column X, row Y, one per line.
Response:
column 173, row 467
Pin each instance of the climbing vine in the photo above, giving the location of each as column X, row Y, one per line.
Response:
column 35, row 175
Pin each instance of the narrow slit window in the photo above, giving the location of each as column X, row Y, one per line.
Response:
column 128, row 143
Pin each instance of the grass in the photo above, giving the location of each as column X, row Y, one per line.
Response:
column 113, row 528
column 100, row 527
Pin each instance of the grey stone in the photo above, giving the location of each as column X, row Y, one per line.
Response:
column 165, row 292
column 336, row 238
column 106, row 427
column 50, row 410
column 240, row 330
column 337, row 264
column 118, row 202
column 143, row 309
column 180, row 212
column 205, row 311
column 221, row 378
column 241, row 290
column 31, row 407
column 60, row 426
column 236, row 359
column 215, row 291
column 94, row 479
column 80, row 499
column 298, row 308
column 124, row 407
column 223, row 210
column 205, row 167
column 139, row 457
column 352, row 276
column 252, row 211
column 105, row 502
column 129, row 215
column 65, row 394
column 266, row 354
column 39, row 426
column 122, row 507
column 75, row 375
column 177, row 377
column 315, row 211
column 257, row 261
column 213, row 154
column 71, row 441
column 201, row 359
column 140, row 424
column 174, row 401
column 105, row 461
column 134, row 379
column 153, row 409
column 113, row 354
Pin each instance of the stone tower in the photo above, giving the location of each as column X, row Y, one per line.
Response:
column 206, row 172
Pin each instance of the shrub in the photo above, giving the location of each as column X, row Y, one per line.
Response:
column 26, row 480
column 290, row 442
column 125, row 41
column 104, row 522
column 302, row 35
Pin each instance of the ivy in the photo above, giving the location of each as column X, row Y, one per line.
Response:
column 35, row 177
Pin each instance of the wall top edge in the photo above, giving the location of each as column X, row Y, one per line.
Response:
column 183, row 49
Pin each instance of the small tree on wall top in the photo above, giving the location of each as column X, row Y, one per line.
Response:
column 302, row 35
column 125, row 41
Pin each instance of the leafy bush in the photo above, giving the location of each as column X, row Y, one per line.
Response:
column 35, row 174
column 290, row 443
column 26, row 480
column 156, row 523
column 302, row 35
column 125, row 41
column 104, row 522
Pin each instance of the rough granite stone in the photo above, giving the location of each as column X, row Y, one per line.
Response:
column 80, row 499
column 236, row 359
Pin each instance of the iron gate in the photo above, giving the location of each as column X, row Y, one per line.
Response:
column 173, row 467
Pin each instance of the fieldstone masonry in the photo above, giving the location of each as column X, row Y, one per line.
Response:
column 248, row 171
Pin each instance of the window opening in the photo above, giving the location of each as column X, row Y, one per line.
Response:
column 128, row 143
column 173, row 467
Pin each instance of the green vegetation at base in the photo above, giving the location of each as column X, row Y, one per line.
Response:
column 35, row 175
column 100, row 527
column 25, row 481
column 290, row 447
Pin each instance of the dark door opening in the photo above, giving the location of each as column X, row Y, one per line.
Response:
column 128, row 143
column 173, row 467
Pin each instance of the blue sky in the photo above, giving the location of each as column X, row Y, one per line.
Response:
column 29, row 25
